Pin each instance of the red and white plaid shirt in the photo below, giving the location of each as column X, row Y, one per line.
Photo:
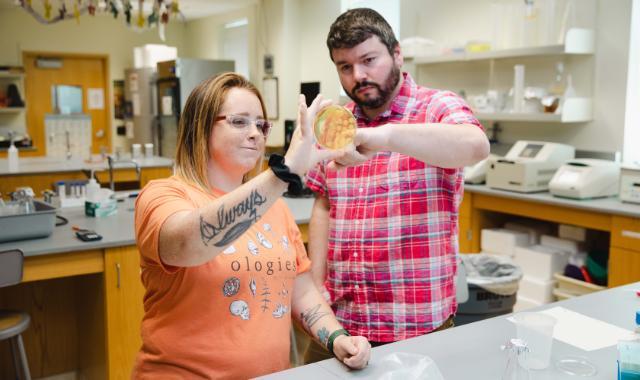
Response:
column 393, row 236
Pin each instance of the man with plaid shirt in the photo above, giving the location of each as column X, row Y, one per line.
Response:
column 384, row 228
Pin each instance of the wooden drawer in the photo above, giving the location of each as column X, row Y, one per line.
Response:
column 464, row 211
column 624, row 266
column 625, row 233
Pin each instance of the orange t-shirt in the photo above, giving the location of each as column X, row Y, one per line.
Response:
column 227, row 318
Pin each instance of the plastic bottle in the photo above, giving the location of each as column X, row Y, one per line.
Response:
column 629, row 355
column 13, row 158
column 92, row 188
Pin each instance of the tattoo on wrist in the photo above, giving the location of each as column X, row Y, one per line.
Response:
column 226, row 218
column 312, row 315
column 323, row 336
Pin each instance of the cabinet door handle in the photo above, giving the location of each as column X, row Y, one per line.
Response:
column 118, row 275
column 630, row 234
column 469, row 235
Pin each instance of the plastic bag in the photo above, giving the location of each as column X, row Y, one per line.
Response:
column 496, row 274
column 401, row 366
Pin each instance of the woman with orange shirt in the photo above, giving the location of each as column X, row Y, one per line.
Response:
column 222, row 259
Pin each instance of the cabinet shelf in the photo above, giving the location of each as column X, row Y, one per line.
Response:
column 10, row 75
column 12, row 109
column 577, row 41
column 575, row 110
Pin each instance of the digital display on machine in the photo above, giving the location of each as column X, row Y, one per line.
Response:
column 531, row 150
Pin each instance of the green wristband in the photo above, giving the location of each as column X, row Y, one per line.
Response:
column 333, row 337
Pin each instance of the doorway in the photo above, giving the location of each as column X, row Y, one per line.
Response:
column 49, row 79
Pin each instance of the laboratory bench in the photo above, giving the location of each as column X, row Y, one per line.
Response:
column 621, row 221
column 40, row 173
column 85, row 298
column 473, row 351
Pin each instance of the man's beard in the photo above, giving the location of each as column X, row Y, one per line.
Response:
column 384, row 91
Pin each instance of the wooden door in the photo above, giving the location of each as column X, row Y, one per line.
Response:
column 124, row 292
column 86, row 71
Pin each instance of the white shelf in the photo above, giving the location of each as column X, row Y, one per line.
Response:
column 575, row 110
column 11, row 109
column 577, row 41
column 8, row 75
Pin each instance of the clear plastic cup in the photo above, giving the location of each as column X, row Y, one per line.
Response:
column 536, row 329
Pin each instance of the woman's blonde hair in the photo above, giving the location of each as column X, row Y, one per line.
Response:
column 196, row 123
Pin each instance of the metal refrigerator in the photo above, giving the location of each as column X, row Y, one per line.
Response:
column 176, row 79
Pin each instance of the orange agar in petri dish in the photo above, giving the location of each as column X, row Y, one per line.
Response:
column 334, row 127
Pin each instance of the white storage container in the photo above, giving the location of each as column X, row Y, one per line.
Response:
column 501, row 241
column 576, row 233
column 524, row 303
column 536, row 289
column 567, row 245
column 533, row 228
column 540, row 261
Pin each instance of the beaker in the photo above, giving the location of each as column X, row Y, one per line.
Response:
column 536, row 329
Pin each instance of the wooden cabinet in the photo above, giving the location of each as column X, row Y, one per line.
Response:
column 123, row 299
column 43, row 181
column 624, row 254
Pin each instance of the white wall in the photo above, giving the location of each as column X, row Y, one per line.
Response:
column 606, row 70
column 101, row 34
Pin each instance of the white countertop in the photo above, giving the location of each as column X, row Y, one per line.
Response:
column 34, row 165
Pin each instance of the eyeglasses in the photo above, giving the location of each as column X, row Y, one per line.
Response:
column 242, row 122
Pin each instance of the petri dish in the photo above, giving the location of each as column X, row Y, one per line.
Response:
column 334, row 127
column 576, row 366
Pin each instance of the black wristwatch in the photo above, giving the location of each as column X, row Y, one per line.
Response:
column 282, row 171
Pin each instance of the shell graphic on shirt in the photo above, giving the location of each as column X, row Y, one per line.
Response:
column 230, row 250
column 265, row 243
column 231, row 287
column 253, row 248
column 240, row 309
column 284, row 292
column 252, row 287
column 267, row 227
column 280, row 311
column 285, row 242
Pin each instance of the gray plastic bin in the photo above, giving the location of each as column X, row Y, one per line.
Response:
column 28, row 226
column 492, row 283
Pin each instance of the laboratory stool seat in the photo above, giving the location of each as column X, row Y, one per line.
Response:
column 14, row 323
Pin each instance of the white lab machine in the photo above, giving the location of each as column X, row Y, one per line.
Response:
column 477, row 173
column 586, row 178
column 528, row 166
column 630, row 184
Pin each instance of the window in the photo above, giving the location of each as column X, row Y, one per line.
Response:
column 234, row 43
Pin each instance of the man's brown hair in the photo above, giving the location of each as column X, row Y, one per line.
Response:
column 357, row 25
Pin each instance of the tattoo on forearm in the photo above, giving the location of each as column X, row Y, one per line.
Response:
column 227, row 218
column 312, row 315
column 323, row 336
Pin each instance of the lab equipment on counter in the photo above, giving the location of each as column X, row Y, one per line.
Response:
column 537, row 330
column 517, row 351
column 477, row 173
column 630, row 184
column 586, row 178
column 13, row 218
column 101, row 204
column 12, row 157
column 629, row 354
column 528, row 166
